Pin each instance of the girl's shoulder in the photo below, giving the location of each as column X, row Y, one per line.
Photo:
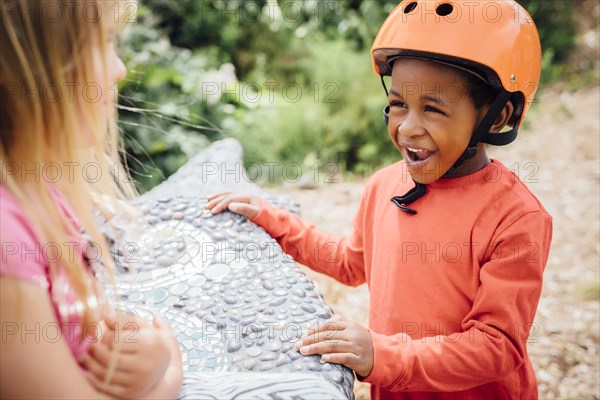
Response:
column 21, row 254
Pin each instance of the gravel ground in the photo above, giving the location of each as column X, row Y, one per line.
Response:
column 557, row 155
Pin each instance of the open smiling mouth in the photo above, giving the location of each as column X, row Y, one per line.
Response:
column 417, row 155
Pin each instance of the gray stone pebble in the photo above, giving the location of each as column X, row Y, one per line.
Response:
column 313, row 366
column 164, row 261
column 248, row 313
column 274, row 346
column 308, row 308
column 250, row 364
column 277, row 302
column 336, row 376
column 238, row 358
column 266, row 366
column 218, row 235
column 253, row 351
column 247, row 321
column 179, row 207
column 234, row 346
column 156, row 296
column 268, row 357
column 282, row 359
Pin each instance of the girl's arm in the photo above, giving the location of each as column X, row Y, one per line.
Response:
column 145, row 354
column 33, row 362
column 37, row 364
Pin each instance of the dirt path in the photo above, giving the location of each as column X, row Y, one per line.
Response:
column 557, row 155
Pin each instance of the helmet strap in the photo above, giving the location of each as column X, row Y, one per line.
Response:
column 413, row 194
column 482, row 132
column 386, row 109
column 383, row 84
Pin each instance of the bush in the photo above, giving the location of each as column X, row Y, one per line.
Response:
column 337, row 118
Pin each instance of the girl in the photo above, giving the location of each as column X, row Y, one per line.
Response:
column 59, row 155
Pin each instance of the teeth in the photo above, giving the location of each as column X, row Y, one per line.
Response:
column 415, row 150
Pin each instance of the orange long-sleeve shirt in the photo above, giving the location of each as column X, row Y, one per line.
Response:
column 454, row 288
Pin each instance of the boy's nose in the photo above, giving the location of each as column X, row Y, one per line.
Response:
column 410, row 127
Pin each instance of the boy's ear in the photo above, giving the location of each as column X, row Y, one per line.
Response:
column 503, row 118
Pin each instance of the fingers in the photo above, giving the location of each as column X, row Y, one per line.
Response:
column 125, row 321
column 325, row 338
column 340, row 342
column 112, row 389
column 246, row 205
column 162, row 325
column 123, row 338
column 99, row 353
column 247, row 210
column 99, row 356
column 221, row 202
column 119, row 377
column 214, row 196
column 215, row 199
column 348, row 359
column 108, row 338
column 93, row 366
column 324, row 331
column 327, row 347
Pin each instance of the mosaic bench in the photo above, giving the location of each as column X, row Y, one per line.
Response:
column 235, row 301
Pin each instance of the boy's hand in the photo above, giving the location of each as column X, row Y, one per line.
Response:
column 243, row 204
column 142, row 352
column 340, row 342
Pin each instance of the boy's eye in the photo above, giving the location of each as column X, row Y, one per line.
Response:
column 397, row 104
column 433, row 109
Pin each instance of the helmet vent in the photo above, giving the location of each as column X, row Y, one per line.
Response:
column 444, row 9
column 410, row 7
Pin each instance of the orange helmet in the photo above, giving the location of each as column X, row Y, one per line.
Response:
column 495, row 40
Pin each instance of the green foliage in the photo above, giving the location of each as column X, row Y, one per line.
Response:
column 163, row 115
column 326, row 122
column 555, row 20
column 292, row 80
column 556, row 26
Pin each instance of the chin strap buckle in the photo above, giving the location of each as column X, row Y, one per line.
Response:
column 401, row 206
column 413, row 194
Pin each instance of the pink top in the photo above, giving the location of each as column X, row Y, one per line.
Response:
column 23, row 256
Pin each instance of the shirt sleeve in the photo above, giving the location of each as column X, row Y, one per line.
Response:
column 21, row 255
column 339, row 257
column 492, row 342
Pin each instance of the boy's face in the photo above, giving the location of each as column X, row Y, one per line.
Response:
column 431, row 117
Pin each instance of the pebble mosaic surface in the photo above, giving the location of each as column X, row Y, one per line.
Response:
column 235, row 301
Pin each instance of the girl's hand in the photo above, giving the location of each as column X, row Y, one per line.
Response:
column 340, row 342
column 246, row 205
column 132, row 356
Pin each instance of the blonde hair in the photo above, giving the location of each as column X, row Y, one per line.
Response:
column 53, row 132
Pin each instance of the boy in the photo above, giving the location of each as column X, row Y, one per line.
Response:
column 454, row 261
